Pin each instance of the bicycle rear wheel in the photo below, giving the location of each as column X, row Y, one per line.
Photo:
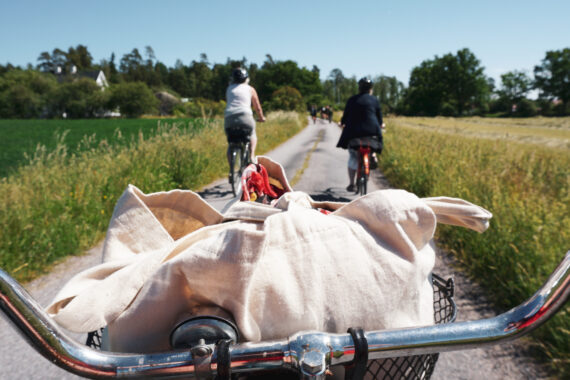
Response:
column 245, row 156
column 235, row 168
column 362, row 180
column 362, row 185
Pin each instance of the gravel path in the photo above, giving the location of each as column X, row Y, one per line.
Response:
column 313, row 146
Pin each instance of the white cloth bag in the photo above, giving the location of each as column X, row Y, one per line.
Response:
column 276, row 270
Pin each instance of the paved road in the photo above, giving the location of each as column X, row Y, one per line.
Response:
column 315, row 166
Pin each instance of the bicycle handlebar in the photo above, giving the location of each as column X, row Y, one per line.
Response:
column 309, row 353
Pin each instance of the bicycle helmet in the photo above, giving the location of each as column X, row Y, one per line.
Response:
column 239, row 75
column 364, row 85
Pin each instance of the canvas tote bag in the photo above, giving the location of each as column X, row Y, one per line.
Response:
column 274, row 269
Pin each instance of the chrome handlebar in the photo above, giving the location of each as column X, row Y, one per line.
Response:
column 309, row 353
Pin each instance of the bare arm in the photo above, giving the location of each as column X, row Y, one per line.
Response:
column 257, row 105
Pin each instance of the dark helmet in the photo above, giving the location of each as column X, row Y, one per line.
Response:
column 364, row 85
column 239, row 75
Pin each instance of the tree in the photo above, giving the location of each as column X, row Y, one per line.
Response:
column 79, row 57
column 55, row 62
column 131, row 66
column 45, row 63
column 178, row 80
column 133, row 99
column 454, row 83
column 275, row 74
column 552, row 76
column 337, row 78
column 426, row 93
column 200, row 77
column 113, row 72
column 59, row 60
column 152, row 76
column 515, row 85
column 390, row 91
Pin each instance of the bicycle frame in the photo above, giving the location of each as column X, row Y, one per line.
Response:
column 364, row 160
column 308, row 353
column 363, row 170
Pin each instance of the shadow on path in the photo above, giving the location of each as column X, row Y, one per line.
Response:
column 329, row 195
column 219, row 191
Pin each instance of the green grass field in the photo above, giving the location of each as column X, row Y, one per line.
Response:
column 19, row 138
column 516, row 168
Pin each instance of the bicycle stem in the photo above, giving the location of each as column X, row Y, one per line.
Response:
column 309, row 353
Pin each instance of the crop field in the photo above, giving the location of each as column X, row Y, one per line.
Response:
column 519, row 169
column 19, row 139
column 550, row 132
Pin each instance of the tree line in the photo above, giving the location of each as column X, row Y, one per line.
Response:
column 450, row 85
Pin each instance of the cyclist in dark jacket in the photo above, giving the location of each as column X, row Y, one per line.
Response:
column 362, row 118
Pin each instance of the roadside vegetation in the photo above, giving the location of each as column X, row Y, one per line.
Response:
column 60, row 203
column 526, row 186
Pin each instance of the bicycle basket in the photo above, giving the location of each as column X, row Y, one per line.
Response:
column 418, row 366
column 406, row 367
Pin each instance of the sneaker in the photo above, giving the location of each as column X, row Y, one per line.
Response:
column 350, row 188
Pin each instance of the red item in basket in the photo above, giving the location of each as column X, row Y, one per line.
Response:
column 256, row 181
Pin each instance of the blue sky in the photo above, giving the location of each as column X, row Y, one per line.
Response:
column 358, row 37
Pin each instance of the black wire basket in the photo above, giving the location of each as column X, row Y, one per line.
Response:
column 417, row 367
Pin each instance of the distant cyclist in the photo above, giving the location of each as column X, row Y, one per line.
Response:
column 329, row 113
column 238, row 116
column 362, row 118
column 313, row 111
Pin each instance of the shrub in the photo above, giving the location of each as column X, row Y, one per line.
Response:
column 448, row 109
column 133, row 99
column 286, row 98
column 24, row 94
column 81, row 98
column 200, row 107
column 526, row 108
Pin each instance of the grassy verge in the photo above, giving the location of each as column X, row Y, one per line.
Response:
column 525, row 186
column 60, row 204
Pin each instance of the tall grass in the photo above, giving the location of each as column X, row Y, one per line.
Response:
column 526, row 187
column 60, row 204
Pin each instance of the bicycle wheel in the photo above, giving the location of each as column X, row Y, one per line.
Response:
column 235, row 168
column 362, row 185
column 362, row 178
column 245, row 156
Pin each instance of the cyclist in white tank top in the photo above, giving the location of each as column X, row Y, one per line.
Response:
column 240, row 97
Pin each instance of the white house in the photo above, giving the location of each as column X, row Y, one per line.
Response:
column 97, row 75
